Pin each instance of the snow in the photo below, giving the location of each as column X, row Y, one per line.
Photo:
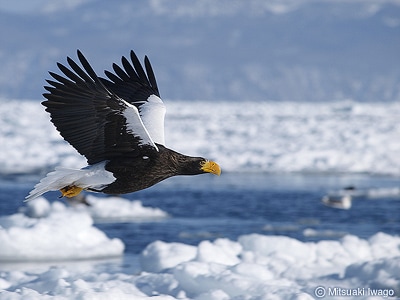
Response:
column 252, row 267
column 258, row 266
column 333, row 137
column 52, row 251
column 117, row 209
column 101, row 209
column 45, row 231
column 61, row 235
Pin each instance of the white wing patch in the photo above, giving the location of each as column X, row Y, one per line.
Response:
column 152, row 113
column 135, row 125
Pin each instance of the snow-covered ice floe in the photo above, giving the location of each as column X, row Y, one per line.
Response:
column 45, row 231
column 252, row 267
column 114, row 209
column 63, row 235
column 101, row 209
column 267, row 136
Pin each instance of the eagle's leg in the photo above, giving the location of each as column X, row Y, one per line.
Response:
column 70, row 191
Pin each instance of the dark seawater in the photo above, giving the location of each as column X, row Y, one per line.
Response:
column 208, row 207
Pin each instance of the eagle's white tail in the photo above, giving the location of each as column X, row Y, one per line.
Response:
column 95, row 177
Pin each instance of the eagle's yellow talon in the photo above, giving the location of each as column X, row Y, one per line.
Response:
column 71, row 191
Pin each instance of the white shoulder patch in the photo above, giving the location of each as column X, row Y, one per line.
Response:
column 152, row 113
column 135, row 125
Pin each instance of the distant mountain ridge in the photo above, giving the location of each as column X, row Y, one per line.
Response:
column 232, row 50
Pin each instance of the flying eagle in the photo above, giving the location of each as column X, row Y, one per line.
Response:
column 118, row 125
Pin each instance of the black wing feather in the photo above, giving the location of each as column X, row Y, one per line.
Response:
column 88, row 115
column 130, row 81
column 139, row 69
column 150, row 73
column 121, row 73
column 129, row 69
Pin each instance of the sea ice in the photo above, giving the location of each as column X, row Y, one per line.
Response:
column 252, row 267
column 266, row 136
column 117, row 209
column 62, row 235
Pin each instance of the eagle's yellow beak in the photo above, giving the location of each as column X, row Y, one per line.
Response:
column 211, row 167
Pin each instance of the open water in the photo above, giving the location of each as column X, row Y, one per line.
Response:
column 234, row 204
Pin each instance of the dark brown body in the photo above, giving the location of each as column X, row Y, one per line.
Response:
column 140, row 172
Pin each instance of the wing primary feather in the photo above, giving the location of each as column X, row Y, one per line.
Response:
column 54, row 83
column 61, row 79
column 150, row 74
column 128, row 68
column 79, row 70
column 132, row 80
column 88, row 68
column 121, row 73
column 139, row 68
column 114, row 78
column 71, row 75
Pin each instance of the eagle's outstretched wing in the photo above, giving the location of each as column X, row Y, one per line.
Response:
column 132, row 84
column 96, row 121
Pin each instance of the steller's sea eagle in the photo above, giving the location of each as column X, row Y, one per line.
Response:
column 118, row 125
